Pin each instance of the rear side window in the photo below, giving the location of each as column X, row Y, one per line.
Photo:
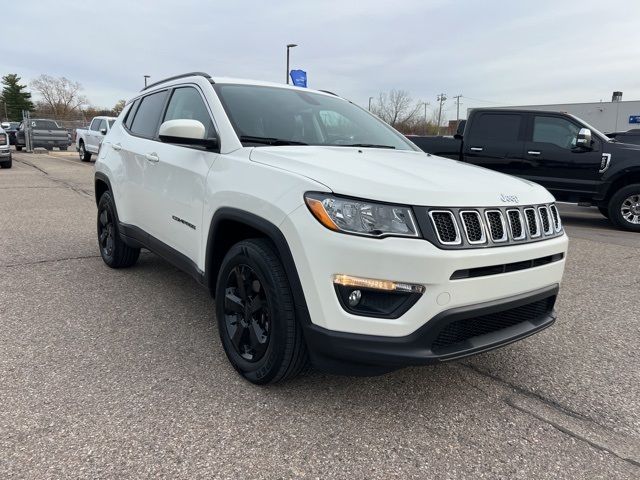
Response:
column 130, row 114
column 145, row 123
column 501, row 127
column 186, row 103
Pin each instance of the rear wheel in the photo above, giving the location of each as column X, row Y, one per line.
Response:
column 115, row 253
column 7, row 164
column 624, row 208
column 63, row 149
column 18, row 148
column 256, row 316
column 82, row 152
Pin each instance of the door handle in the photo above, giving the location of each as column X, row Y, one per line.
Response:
column 116, row 146
column 533, row 152
column 476, row 149
column 152, row 157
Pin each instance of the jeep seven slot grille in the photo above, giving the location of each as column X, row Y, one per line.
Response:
column 487, row 227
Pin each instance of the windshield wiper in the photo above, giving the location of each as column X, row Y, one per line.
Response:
column 269, row 141
column 364, row 145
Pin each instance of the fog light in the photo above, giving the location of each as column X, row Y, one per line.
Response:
column 354, row 298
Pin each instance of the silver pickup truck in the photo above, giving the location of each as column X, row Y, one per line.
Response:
column 44, row 133
column 88, row 140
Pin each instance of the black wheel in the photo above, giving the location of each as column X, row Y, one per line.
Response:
column 624, row 208
column 256, row 316
column 604, row 211
column 63, row 149
column 84, row 155
column 18, row 148
column 7, row 164
column 113, row 250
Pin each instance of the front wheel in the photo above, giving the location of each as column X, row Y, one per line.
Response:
column 256, row 315
column 82, row 152
column 114, row 252
column 6, row 164
column 624, row 208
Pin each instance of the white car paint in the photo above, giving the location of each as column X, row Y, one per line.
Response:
column 151, row 181
column 93, row 136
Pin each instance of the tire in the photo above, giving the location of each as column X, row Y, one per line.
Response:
column 18, row 148
column 624, row 208
column 63, row 149
column 252, row 274
column 7, row 164
column 84, row 155
column 604, row 211
column 115, row 253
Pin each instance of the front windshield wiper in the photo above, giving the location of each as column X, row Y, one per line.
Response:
column 269, row 141
column 364, row 145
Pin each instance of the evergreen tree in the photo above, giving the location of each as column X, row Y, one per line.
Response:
column 14, row 98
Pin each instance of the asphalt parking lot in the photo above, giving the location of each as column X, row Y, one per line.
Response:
column 120, row 374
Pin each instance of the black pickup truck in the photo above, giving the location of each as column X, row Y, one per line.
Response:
column 574, row 161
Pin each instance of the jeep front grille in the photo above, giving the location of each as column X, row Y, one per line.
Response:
column 486, row 227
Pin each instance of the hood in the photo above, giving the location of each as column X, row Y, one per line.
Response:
column 406, row 177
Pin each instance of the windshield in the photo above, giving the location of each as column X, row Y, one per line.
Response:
column 280, row 116
column 594, row 130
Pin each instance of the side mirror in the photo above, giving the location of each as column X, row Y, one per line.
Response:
column 186, row 132
column 584, row 138
column 103, row 131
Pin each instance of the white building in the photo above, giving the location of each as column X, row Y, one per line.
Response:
column 614, row 116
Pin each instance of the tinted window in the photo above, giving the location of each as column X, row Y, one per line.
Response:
column 496, row 126
column 94, row 124
column 130, row 114
column 102, row 125
column 147, row 117
column 296, row 115
column 555, row 130
column 186, row 103
column 46, row 124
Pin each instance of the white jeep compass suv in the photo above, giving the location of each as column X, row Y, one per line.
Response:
column 324, row 235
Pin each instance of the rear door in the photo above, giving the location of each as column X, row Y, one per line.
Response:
column 553, row 160
column 496, row 141
column 176, row 180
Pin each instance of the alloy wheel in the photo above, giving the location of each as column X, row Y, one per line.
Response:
column 630, row 209
column 246, row 313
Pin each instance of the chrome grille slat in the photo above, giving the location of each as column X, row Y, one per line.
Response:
column 533, row 225
column 473, row 227
column 440, row 220
column 495, row 226
column 516, row 224
column 557, row 222
column 545, row 219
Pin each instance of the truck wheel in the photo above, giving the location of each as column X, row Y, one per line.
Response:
column 114, row 252
column 256, row 317
column 63, row 149
column 7, row 164
column 604, row 211
column 624, row 208
column 84, row 155
column 18, row 148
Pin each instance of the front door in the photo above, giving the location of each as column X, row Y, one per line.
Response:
column 552, row 158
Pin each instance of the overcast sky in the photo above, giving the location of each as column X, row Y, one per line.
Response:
column 491, row 52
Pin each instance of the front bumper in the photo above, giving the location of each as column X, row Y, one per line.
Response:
column 452, row 334
column 5, row 154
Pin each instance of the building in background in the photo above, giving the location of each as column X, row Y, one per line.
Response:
column 608, row 117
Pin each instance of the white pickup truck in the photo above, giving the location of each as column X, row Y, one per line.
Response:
column 88, row 140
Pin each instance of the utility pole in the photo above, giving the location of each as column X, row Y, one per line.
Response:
column 425, row 118
column 370, row 99
column 441, row 99
column 457, row 97
column 146, row 77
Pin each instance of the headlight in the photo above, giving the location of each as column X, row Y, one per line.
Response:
column 361, row 217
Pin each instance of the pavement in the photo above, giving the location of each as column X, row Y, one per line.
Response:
column 120, row 374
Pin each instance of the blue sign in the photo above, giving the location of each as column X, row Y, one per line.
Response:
column 299, row 78
column 634, row 118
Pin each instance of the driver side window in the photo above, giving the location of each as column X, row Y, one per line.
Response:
column 555, row 130
column 186, row 103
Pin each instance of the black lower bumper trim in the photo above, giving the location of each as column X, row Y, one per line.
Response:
column 356, row 354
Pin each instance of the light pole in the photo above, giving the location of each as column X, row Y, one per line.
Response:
column 289, row 45
column 441, row 98
column 146, row 77
column 425, row 117
column 370, row 98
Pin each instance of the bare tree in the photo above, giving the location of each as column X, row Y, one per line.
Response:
column 396, row 107
column 119, row 106
column 61, row 95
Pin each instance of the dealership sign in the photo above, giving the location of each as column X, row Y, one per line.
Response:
column 634, row 118
column 299, row 78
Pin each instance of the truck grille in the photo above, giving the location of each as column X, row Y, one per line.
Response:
column 475, row 228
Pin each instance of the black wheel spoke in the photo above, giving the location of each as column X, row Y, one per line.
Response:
column 103, row 237
column 240, row 282
column 237, row 334
column 104, row 218
column 233, row 303
column 257, row 339
column 255, row 305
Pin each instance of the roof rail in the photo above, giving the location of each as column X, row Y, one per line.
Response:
column 190, row 74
